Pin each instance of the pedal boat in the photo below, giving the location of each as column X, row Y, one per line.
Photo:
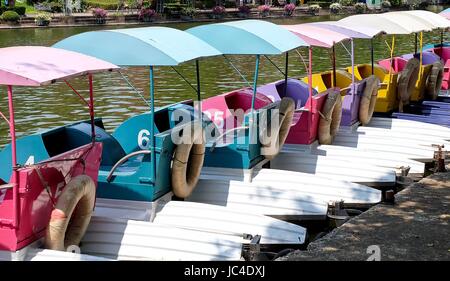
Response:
column 36, row 172
column 137, row 190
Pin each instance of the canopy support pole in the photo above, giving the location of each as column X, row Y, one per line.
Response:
column 442, row 42
column 199, row 98
column 415, row 43
column 353, row 67
column 255, row 81
column 252, row 120
column 15, row 167
column 91, row 107
column 152, row 126
column 286, row 72
column 392, row 58
column 421, row 54
column 334, row 65
column 371, row 53
column 310, row 88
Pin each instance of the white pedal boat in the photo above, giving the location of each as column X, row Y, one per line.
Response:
column 412, row 127
column 205, row 218
column 394, row 161
column 277, row 193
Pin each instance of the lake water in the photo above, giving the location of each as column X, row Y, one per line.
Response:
column 115, row 101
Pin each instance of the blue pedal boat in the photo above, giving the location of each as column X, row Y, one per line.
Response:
column 135, row 185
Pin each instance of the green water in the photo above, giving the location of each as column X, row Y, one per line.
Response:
column 46, row 107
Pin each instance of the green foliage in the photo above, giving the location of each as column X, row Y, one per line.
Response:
column 188, row 11
column 396, row 3
column 10, row 16
column 322, row 4
column 18, row 10
column 104, row 4
column 313, row 9
column 335, row 8
column 56, row 7
column 360, row 7
column 348, row 2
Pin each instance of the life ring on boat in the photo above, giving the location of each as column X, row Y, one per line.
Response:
column 406, row 81
column 330, row 118
column 434, row 80
column 188, row 161
column 273, row 144
column 72, row 214
column 368, row 99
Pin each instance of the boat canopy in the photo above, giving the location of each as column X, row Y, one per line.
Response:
column 445, row 15
column 38, row 66
column 445, row 11
column 361, row 32
column 247, row 37
column 436, row 20
column 146, row 46
column 376, row 21
column 407, row 21
column 316, row 36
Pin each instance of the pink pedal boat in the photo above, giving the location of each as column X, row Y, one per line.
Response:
column 33, row 195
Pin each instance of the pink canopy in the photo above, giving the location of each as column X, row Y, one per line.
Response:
column 445, row 15
column 37, row 66
column 316, row 36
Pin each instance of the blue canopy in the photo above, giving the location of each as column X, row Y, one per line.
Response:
column 146, row 46
column 247, row 37
column 446, row 11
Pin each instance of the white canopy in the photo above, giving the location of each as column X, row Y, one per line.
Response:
column 408, row 21
column 376, row 21
column 436, row 20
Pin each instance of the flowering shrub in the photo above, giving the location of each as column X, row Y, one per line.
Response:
column 313, row 9
column 146, row 14
column 99, row 13
column 264, row 9
column 42, row 19
column 335, row 8
column 289, row 9
column 219, row 10
column 244, row 9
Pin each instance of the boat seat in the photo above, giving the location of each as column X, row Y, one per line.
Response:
column 80, row 134
column 297, row 90
column 427, row 57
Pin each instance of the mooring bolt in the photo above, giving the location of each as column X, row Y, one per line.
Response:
column 439, row 157
column 389, row 197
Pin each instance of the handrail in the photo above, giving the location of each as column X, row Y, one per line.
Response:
column 226, row 133
column 123, row 159
column 6, row 186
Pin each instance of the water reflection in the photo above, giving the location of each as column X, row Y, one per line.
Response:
column 46, row 107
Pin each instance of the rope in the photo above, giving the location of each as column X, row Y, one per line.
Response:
column 134, row 88
column 45, row 185
column 185, row 79
column 237, row 70
column 302, row 59
column 276, row 66
column 323, row 116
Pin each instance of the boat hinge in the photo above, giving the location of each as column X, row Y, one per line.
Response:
column 252, row 251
